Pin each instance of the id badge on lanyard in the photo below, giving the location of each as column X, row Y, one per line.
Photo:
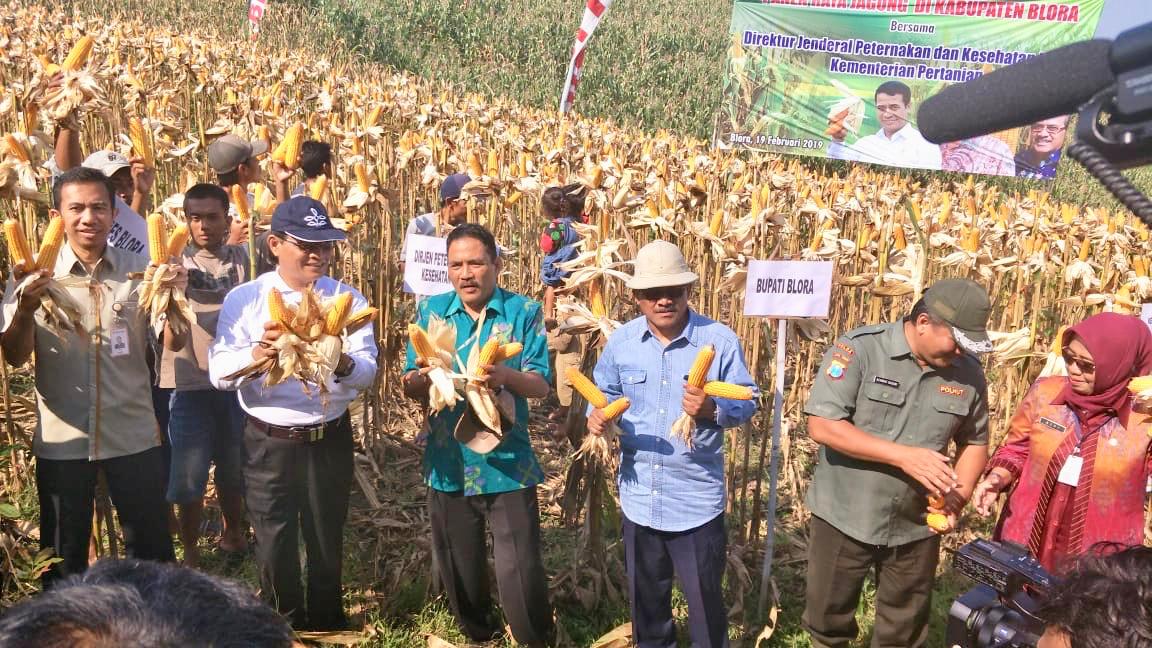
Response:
column 1070, row 472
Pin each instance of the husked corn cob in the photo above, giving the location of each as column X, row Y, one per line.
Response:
column 1140, row 384
column 586, row 388
column 78, row 55
column 240, row 199
column 16, row 148
column 510, row 350
column 937, row 521
column 18, row 249
column 360, row 318
column 50, row 245
column 487, row 356
column 474, row 168
column 141, row 142
column 293, row 139
column 362, row 177
column 374, row 116
column 177, row 241
column 596, row 298
column 157, row 238
column 420, row 342
column 338, row 311
column 700, row 365
column 616, row 408
column 319, row 188
column 718, row 389
column 716, row 223
column 277, row 311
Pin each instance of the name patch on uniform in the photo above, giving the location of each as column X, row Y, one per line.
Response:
column 951, row 390
column 879, row 380
column 836, row 369
column 1047, row 422
column 845, row 348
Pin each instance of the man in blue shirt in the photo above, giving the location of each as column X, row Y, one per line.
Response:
column 471, row 484
column 672, row 495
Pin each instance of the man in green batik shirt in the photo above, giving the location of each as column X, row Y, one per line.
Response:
column 495, row 485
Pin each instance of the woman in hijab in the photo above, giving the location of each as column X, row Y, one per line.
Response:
column 1076, row 458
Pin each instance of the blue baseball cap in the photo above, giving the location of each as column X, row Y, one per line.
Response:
column 450, row 190
column 305, row 219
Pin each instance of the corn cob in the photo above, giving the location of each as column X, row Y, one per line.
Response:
column 487, row 356
column 362, row 177
column 360, row 318
column 318, row 188
column 177, row 241
column 716, row 223
column 493, row 163
column 1140, row 384
column 78, row 55
column 474, row 168
column 50, row 245
column 510, row 350
column 157, row 238
column 586, row 388
column 338, row 311
column 374, row 116
column 420, row 342
column 718, row 389
column 937, row 521
column 277, row 311
column 935, row 501
column 700, row 366
column 240, row 199
column 141, row 142
column 290, row 152
column 596, row 298
column 17, row 149
column 616, row 408
column 18, row 249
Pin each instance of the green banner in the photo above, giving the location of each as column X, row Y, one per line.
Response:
column 843, row 78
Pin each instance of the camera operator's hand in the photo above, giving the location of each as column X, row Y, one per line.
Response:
column 989, row 489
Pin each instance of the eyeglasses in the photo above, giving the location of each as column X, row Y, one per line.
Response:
column 666, row 292
column 319, row 249
column 1084, row 365
column 1051, row 129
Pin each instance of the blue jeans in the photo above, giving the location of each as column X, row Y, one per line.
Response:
column 205, row 426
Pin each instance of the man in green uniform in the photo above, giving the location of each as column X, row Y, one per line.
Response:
column 887, row 403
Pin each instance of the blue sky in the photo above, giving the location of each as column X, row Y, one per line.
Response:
column 1123, row 14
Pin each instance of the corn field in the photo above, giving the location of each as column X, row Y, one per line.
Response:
column 395, row 137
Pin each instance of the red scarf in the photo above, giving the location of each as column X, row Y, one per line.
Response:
column 1121, row 348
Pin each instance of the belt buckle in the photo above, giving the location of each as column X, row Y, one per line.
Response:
column 309, row 433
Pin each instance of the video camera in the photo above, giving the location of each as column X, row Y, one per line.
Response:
column 999, row 611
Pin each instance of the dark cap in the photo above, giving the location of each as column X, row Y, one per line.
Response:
column 227, row 153
column 305, row 219
column 964, row 305
column 450, row 190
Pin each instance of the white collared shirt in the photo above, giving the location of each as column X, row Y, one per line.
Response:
column 240, row 327
column 906, row 148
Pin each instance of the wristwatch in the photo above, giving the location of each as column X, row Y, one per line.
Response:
column 344, row 374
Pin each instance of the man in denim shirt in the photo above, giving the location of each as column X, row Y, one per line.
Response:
column 672, row 495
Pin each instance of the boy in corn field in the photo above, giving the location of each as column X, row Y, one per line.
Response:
column 205, row 426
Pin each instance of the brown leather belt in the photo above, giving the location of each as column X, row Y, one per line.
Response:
column 303, row 433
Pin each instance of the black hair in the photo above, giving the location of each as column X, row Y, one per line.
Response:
column 575, row 195
column 478, row 232
column 554, row 203
column 895, row 88
column 205, row 191
column 1106, row 600
column 229, row 178
column 314, row 156
column 144, row 604
column 83, row 175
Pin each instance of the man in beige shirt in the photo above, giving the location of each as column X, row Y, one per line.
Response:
column 92, row 388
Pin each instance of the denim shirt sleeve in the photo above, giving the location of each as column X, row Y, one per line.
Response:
column 732, row 369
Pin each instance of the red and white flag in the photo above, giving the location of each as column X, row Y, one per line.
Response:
column 592, row 15
column 256, row 9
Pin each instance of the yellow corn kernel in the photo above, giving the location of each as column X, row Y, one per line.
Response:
column 78, row 55
column 1085, row 249
column 177, row 241
column 421, row 345
column 318, row 188
column 360, row 318
column 18, row 249
column 493, row 163
column 586, row 388
column 289, row 149
column 700, row 365
column 596, row 299
column 487, row 356
column 474, row 168
column 17, row 149
column 277, row 311
column 937, row 521
column 157, row 238
column 141, row 142
column 374, row 116
column 50, row 245
column 510, row 350
column 362, row 177
column 338, row 311
column 618, row 407
column 718, row 389
column 899, row 241
column 240, row 199
column 716, row 223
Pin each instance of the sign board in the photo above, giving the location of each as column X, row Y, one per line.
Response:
column 1146, row 314
column 784, row 289
column 426, row 265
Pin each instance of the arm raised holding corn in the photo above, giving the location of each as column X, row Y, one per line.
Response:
column 162, row 295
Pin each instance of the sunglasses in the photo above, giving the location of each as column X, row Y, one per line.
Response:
column 319, row 249
column 1084, row 365
column 666, row 292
